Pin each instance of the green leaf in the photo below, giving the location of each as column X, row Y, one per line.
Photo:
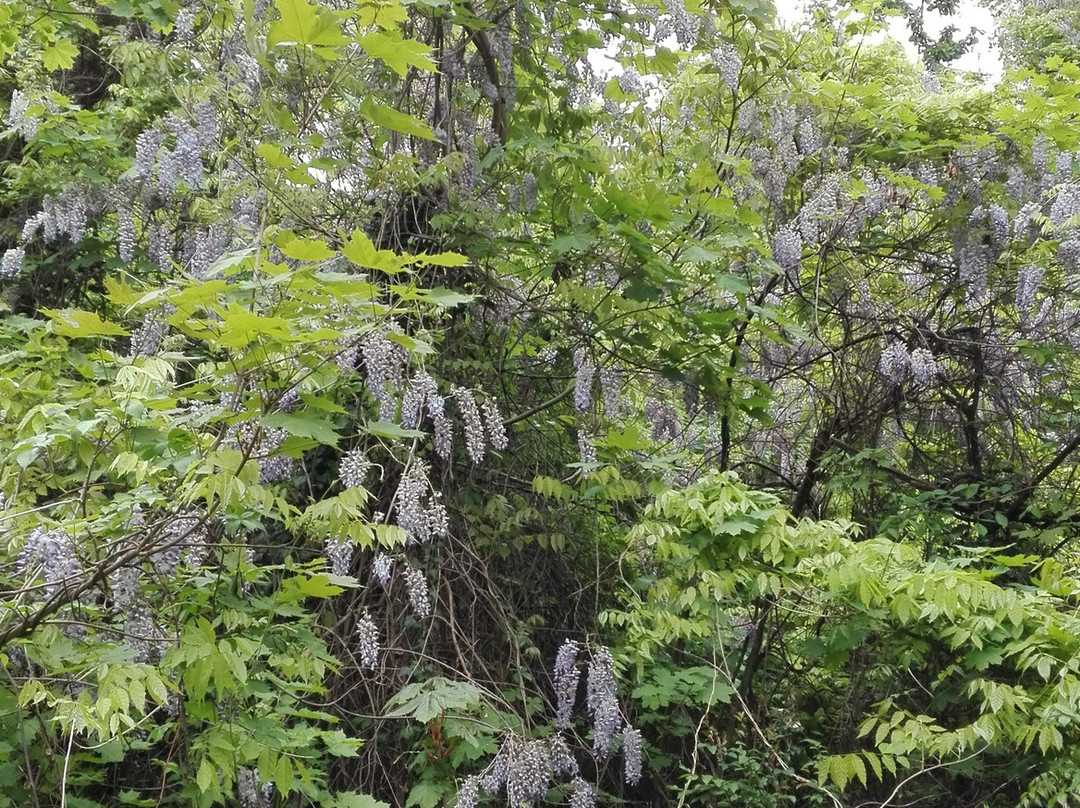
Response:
column 361, row 251
column 206, row 776
column 447, row 298
column 315, row 586
column 339, row 744
column 426, row 794
column 390, row 118
column 303, row 425
column 429, row 699
column 76, row 323
column 445, row 259
column 272, row 153
column 60, row 55
column 305, row 24
column 572, row 241
column 397, row 52
column 306, row 249
column 388, row 429
column 350, row 799
column 283, row 775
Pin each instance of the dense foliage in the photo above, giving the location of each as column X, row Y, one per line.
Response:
column 454, row 402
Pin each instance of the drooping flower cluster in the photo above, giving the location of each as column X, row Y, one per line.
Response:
column 808, row 137
column 812, row 220
column 582, row 795
column 583, row 380
column 422, row 390
column 146, row 150
column 895, row 362
column 184, row 539
column 632, row 756
column 630, row 81
column 261, row 444
column 251, row 792
column 563, row 762
column 420, row 513
column 924, row 367
column 63, row 214
column 528, row 192
column 54, row 550
column 1066, row 205
column 475, row 441
column 353, row 469
column 144, row 633
column 495, row 778
column 602, row 702
column 528, row 773
column 12, row 262
column 19, row 117
column 496, row 429
column 381, row 567
column 566, row 676
column 384, row 365
column 1028, row 280
column 999, row 224
column 611, row 391
column 468, row 793
column 124, row 586
column 147, row 340
column 664, row 418
column 729, row 63
column 787, row 252
column 685, row 23
column 367, row 638
column 417, row 589
column 586, row 451
column 339, row 552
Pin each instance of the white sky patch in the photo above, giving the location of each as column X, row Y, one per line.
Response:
column 984, row 58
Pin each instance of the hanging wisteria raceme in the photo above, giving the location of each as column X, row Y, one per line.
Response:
column 582, row 795
column 1028, row 280
column 924, row 366
column 586, row 451
column 730, row 65
column 144, row 634
column 528, row 773
column 631, row 750
column 468, row 793
column 367, row 639
column 563, row 762
column 496, row 429
column 787, row 252
column 528, row 192
column 497, row 772
column 50, row 553
column 583, row 380
column 381, row 567
column 12, row 263
column 422, row 391
column 475, row 440
column 417, row 589
column 602, row 702
column 354, row 469
column 663, row 417
column 895, row 362
column 611, row 391
column 565, row 676
column 155, row 327
column 419, row 511
column 339, row 552
column 384, row 365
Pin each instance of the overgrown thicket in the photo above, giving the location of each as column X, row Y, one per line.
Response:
column 472, row 403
